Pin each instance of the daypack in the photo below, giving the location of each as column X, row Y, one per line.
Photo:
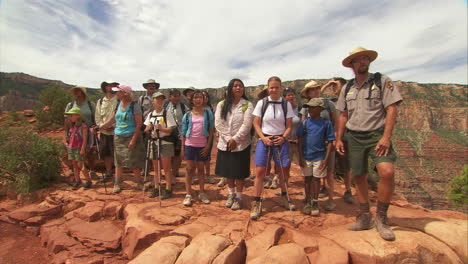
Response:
column 70, row 105
column 174, row 136
column 376, row 79
column 284, row 105
column 182, row 106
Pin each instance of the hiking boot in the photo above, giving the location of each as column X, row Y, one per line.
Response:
column 166, row 195
column 93, row 175
column 363, row 222
column 187, row 200
column 140, row 185
column 285, row 204
column 323, row 192
column 315, row 209
column 307, row 208
column 87, row 185
column 76, row 185
column 274, row 182
column 222, row 182
column 348, row 197
column 209, row 179
column 384, row 229
column 203, row 198
column 230, row 200
column 236, row 205
column 117, row 188
column 256, row 210
column 154, row 193
column 330, row 205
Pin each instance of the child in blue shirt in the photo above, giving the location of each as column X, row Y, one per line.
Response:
column 315, row 138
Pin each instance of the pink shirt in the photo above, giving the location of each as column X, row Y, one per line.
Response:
column 196, row 138
column 75, row 137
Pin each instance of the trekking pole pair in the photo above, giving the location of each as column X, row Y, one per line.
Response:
column 96, row 139
column 158, row 148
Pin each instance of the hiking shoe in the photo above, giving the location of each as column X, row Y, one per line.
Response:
column 314, row 211
column 117, row 188
column 236, row 204
column 166, row 195
column 348, row 197
column 285, row 204
column 140, row 185
column 384, row 229
column 266, row 182
column 187, row 200
column 203, row 198
column 209, row 179
column 87, row 185
column 230, row 200
column 363, row 222
column 330, row 205
column 154, row 193
column 76, row 185
column 307, row 208
column 274, row 182
column 222, row 182
column 256, row 210
column 323, row 192
column 93, row 175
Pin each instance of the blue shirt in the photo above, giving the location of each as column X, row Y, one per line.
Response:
column 208, row 123
column 125, row 123
column 315, row 133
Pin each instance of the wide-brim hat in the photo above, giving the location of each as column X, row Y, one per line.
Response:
column 103, row 84
column 307, row 87
column 359, row 51
column 263, row 93
column 314, row 102
column 122, row 88
column 73, row 111
column 158, row 94
column 81, row 88
column 187, row 90
column 151, row 81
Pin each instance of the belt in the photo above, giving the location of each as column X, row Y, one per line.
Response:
column 266, row 135
column 364, row 132
column 292, row 142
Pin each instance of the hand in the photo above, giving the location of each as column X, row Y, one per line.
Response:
column 131, row 145
column 267, row 141
column 82, row 152
column 231, row 144
column 323, row 165
column 279, row 140
column 148, row 128
column 204, row 151
column 158, row 127
column 340, row 147
column 302, row 162
column 382, row 147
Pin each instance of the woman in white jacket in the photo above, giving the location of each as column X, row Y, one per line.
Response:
column 233, row 121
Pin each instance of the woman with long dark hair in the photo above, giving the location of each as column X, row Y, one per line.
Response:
column 233, row 121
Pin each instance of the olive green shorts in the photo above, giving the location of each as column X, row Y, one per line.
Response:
column 74, row 154
column 361, row 146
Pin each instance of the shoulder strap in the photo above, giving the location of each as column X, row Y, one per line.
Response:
column 182, row 106
column 166, row 104
column 100, row 101
column 304, row 130
column 284, row 104
column 348, row 86
column 165, row 115
column 265, row 103
column 92, row 112
column 327, row 107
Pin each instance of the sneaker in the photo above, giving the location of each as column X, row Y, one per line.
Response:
column 76, row 185
column 93, row 175
column 236, row 205
column 330, row 205
column 286, row 204
column 166, row 195
column 87, row 185
column 222, row 182
column 256, row 210
column 140, row 185
column 348, row 197
column 188, row 200
column 117, row 188
column 307, row 208
column 266, row 182
column 363, row 222
column 209, row 179
column 315, row 209
column 203, row 198
column 154, row 193
column 274, row 182
column 384, row 229
column 230, row 200
column 323, row 192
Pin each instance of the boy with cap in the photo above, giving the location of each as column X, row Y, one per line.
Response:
column 315, row 138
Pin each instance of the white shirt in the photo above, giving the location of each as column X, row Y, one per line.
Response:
column 154, row 117
column 273, row 120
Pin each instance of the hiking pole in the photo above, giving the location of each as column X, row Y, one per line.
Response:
column 146, row 166
column 159, row 163
column 278, row 154
column 99, row 158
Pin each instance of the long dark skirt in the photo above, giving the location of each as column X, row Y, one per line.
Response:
column 233, row 165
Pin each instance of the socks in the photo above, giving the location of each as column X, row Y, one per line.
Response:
column 231, row 190
column 364, row 207
column 382, row 208
column 239, row 195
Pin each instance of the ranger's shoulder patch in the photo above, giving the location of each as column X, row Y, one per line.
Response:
column 389, row 85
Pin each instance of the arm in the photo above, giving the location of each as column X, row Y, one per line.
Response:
column 342, row 119
column 204, row 152
column 109, row 123
column 384, row 143
column 300, row 143
column 136, row 134
column 221, row 125
column 258, row 128
column 84, row 132
column 325, row 160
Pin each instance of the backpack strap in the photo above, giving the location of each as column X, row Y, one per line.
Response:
column 284, row 104
column 265, row 103
column 92, row 112
column 328, row 108
column 182, row 106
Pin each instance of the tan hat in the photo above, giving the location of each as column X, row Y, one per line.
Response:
column 81, row 88
column 158, row 94
column 358, row 51
column 151, row 81
column 307, row 87
column 314, row 102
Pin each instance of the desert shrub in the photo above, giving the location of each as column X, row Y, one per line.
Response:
column 28, row 161
column 458, row 192
column 56, row 99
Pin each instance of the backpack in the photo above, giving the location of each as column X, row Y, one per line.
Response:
column 189, row 113
column 182, row 106
column 89, row 143
column 284, row 105
column 174, row 136
column 376, row 79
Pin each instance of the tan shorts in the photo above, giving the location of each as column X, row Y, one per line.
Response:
column 311, row 168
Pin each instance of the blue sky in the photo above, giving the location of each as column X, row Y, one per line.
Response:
column 207, row 43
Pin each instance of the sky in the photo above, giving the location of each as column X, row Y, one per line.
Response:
column 206, row 43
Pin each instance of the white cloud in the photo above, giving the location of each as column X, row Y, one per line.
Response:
column 206, row 43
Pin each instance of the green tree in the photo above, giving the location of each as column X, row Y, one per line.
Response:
column 458, row 192
column 55, row 99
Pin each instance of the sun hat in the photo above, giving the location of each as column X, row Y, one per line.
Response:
column 314, row 102
column 81, row 88
column 191, row 88
column 104, row 83
column 73, row 111
column 358, row 51
column 307, row 87
column 122, row 88
column 151, row 81
column 158, row 94
column 263, row 93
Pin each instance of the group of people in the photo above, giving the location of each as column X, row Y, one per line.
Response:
column 355, row 124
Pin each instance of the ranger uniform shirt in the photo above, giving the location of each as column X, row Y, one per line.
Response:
column 368, row 114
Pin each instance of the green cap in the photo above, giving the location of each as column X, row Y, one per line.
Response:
column 157, row 94
column 74, row 111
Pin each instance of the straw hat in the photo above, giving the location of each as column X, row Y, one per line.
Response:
column 81, row 88
column 307, row 87
column 358, row 51
column 151, row 81
column 263, row 93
